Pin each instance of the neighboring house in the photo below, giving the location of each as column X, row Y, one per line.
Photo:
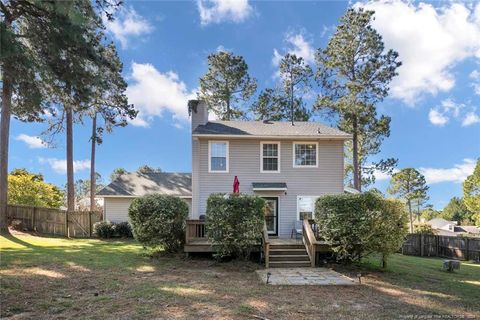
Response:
column 289, row 165
column 119, row 194
column 444, row 227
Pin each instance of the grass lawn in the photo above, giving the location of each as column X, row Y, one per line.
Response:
column 56, row 278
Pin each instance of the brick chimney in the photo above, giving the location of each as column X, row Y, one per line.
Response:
column 199, row 111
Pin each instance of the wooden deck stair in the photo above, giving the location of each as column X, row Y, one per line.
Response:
column 288, row 255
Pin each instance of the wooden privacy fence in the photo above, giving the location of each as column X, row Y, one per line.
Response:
column 78, row 224
column 427, row 245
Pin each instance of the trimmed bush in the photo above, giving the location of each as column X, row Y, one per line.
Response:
column 104, row 229
column 159, row 220
column 234, row 223
column 422, row 228
column 123, row 230
column 356, row 225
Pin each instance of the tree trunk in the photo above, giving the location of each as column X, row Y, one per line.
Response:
column 228, row 109
column 356, row 170
column 70, row 178
column 411, row 215
column 93, row 186
column 4, row 140
column 384, row 261
column 292, row 113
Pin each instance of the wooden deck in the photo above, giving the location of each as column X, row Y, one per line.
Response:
column 196, row 240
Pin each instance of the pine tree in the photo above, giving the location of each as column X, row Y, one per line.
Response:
column 354, row 72
column 226, row 84
column 408, row 184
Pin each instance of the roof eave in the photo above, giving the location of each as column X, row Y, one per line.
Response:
column 283, row 137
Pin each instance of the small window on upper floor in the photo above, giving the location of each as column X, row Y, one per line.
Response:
column 305, row 154
column 270, row 157
column 218, row 156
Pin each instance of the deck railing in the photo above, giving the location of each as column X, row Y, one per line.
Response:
column 266, row 244
column 309, row 240
column 195, row 230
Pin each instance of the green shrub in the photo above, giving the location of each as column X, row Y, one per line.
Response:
column 422, row 228
column 123, row 230
column 234, row 223
column 159, row 220
column 104, row 229
column 356, row 225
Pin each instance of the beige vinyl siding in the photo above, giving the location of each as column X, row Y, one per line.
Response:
column 244, row 158
column 116, row 208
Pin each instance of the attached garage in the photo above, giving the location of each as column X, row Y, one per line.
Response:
column 119, row 194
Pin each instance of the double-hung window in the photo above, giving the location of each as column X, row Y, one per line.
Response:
column 270, row 157
column 218, row 156
column 305, row 154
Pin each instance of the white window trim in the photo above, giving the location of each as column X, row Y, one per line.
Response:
column 298, row 211
column 316, row 154
column 261, row 156
column 227, row 156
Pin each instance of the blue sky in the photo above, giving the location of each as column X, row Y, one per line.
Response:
column 434, row 102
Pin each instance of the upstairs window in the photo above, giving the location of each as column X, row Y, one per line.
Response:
column 218, row 156
column 270, row 157
column 305, row 154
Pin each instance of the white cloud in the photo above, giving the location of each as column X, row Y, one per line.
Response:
column 437, row 118
column 470, row 118
column 298, row 45
column 449, row 109
column 128, row 24
column 216, row 11
column 153, row 92
column 32, row 141
column 457, row 174
column 429, row 40
column 382, row 176
column 60, row 165
column 475, row 76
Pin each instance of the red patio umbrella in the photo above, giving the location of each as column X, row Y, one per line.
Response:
column 236, row 185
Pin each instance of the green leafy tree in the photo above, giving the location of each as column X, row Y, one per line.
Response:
column 456, row 210
column 117, row 172
column 272, row 105
column 422, row 228
column 147, row 169
column 30, row 189
column 354, row 72
column 429, row 213
column 226, row 84
column 471, row 193
column 408, row 184
column 295, row 75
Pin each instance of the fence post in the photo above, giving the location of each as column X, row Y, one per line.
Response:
column 437, row 243
column 89, row 224
column 466, row 249
column 67, row 233
column 34, row 219
column 422, row 242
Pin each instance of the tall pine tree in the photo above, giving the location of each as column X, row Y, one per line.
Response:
column 226, row 85
column 354, row 72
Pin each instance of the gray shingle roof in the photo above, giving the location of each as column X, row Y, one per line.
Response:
column 268, row 128
column 138, row 184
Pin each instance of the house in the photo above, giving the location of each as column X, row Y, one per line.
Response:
column 288, row 165
column 445, row 227
column 119, row 194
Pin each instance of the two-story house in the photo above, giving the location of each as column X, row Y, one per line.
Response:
column 288, row 165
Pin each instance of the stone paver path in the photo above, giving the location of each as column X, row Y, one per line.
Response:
column 303, row 276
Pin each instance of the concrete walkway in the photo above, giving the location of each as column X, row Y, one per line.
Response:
column 304, row 276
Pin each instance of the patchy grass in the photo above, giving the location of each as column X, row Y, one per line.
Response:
column 58, row 278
